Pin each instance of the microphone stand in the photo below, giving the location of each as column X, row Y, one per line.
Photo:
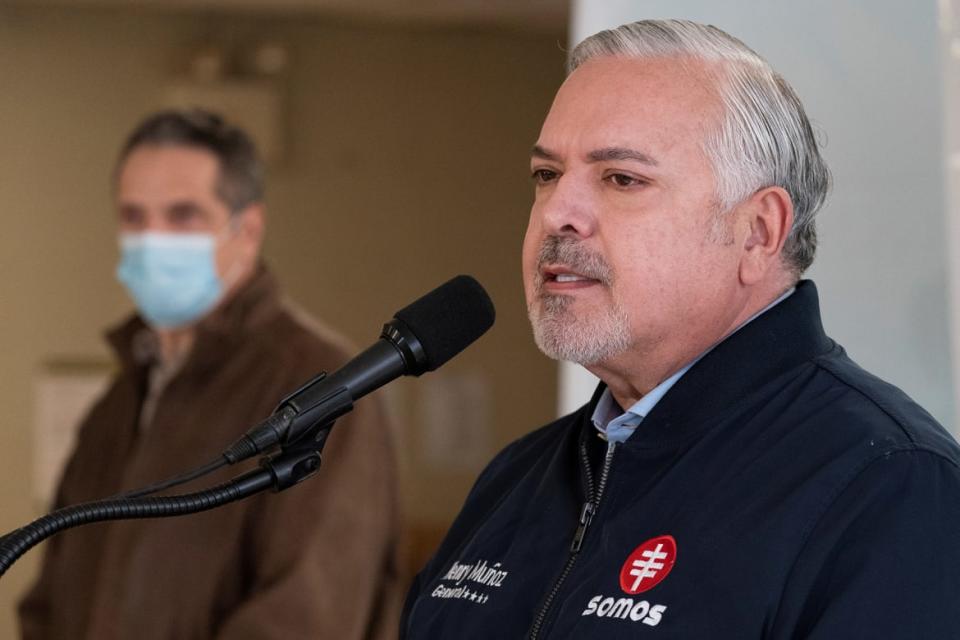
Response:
column 296, row 462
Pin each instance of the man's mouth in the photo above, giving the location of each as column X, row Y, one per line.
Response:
column 568, row 277
column 565, row 266
column 559, row 277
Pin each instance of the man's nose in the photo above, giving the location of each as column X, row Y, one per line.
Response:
column 155, row 223
column 569, row 210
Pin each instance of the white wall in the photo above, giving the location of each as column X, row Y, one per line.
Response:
column 869, row 74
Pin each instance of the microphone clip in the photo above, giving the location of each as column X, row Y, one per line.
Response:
column 302, row 442
column 298, row 461
column 307, row 414
column 292, row 421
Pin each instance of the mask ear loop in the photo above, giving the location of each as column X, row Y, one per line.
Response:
column 232, row 274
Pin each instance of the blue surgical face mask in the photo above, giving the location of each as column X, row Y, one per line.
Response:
column 172, row 277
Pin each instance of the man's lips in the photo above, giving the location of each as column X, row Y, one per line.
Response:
column 562, row 279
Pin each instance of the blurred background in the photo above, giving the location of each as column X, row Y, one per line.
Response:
column 397, row 135
column 398, row 143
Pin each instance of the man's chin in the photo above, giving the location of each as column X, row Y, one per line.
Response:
column 579, row 345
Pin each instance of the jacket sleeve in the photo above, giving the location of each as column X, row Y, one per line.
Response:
column 322, row 553
column 413, row 593
column 33, row 609
column 884, row 560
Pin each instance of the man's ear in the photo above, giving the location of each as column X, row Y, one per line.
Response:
column 768, row 215
column 252, row 226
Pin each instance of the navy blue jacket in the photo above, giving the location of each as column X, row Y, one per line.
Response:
column 777, row 491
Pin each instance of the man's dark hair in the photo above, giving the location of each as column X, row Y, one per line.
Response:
column 241, row 171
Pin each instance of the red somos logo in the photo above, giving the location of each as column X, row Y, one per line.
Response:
column 648, row 565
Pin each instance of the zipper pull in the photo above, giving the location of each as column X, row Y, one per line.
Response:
column 586, row 516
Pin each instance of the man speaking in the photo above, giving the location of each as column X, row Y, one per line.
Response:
column 735, row 475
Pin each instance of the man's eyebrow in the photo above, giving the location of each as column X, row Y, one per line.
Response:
column 545, row 154
column 131, row 207
column 600, row 155
column 620, row 153
column 184, row 206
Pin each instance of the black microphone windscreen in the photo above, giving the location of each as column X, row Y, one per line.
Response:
column 449, row 318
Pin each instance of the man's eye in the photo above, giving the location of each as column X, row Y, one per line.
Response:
column 543, row 176
column 183, row 216
column 623, row 180
column 131, row 218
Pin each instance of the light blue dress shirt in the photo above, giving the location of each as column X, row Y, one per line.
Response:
column 616, row 425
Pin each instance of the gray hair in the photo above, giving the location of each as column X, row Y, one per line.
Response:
column 764, row 138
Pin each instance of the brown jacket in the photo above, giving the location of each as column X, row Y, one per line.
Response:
column 316, row 561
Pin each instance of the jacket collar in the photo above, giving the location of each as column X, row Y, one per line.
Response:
column 254, row 304
column 777, row 341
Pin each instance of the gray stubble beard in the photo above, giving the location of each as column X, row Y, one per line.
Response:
column 561, row 333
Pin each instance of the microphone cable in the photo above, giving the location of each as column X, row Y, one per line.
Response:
column 175, row 481
column 274, row 423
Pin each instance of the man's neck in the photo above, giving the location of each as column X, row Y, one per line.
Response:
column 632, row 375
column 174, row 344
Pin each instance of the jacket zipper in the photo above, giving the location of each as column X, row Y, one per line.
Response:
column 586, row 517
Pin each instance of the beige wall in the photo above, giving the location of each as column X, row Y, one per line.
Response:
column 405, row 164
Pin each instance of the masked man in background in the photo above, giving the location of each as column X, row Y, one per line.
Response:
column 211, row 352
column 735, row 476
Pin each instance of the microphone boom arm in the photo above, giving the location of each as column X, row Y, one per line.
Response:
column 295, row 463
column 413, row 342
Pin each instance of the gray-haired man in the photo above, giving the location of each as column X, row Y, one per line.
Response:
column 735, row 474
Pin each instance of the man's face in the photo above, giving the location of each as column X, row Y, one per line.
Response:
column 174, row 189
column 624, row 255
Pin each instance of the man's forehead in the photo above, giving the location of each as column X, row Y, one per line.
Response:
column 169, row 169
column 624, row 77
column 634, row 104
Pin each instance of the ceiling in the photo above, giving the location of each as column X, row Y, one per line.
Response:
column 538, row 15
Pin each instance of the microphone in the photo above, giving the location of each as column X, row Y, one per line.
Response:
column 421, row 337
